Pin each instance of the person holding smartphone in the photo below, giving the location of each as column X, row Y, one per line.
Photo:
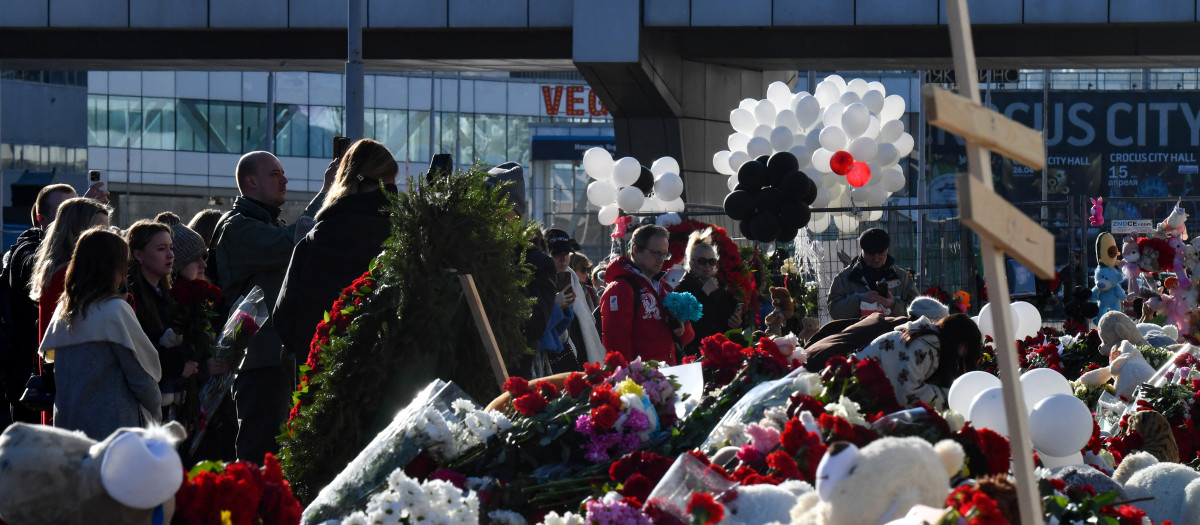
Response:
column 580, row 339
column 721, row 312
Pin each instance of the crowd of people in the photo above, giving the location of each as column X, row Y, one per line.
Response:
column 94, row 341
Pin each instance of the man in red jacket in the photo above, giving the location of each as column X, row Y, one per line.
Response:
column 632, row 316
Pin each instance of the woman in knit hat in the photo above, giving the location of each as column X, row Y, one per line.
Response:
column 350, row 230
column 190, row 249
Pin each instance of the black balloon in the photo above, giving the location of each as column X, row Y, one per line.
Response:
column 769, row 200
column 795, row 216
column 747, row 230
column 788, row 234
column 763, row 159
column 752, row 175
column 779, row 165
column 739, row 205
column 811, row 195
column 792, row 185
column 765, row 227
column 645, row 181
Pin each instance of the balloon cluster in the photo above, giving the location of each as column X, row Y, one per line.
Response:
column 771, row 198
column 626, row 185
column 843, row 130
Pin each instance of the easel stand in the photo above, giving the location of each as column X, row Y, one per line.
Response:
column 485, row 329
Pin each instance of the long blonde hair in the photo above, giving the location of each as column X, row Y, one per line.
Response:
column 74, row 216
column 362, row 169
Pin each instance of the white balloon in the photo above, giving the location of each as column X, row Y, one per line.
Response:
column 748, row 104
column 808, row 110
column 872, row 128
column 731, row 183
column 820, row 160
column 1060, row 425
column 812, row 141
column 966, row 387
column 846, row 224
column 876, row 85
column 787, row 118
column 601, row 193
column 764, row 112
column 779, row 94
column 626, row 172
column 890, row 131
column 664, row 165
column 984, row 320
column 1052, row 462
column 721, row 162
column 859, row 195
column 826, row 93
column 837, row 81
column 608, row 214
column 802, row 156
column 762, row 130
column 668, row 187
column 833, row 115
column 736, row 159
column 893, row 108
column 822, row 200
column 829, row 180
column 857, row 86
column 833, row 138
column 874, row 215
column 904, row 144
column 781, row 138
column 598, row 163
column 892, row 179
column 758, row 147
column 1041, row 383
column 742, row 120
column 818, row 222
column 630, row 199
column 874, row 100
column 737, row 142
column 987, row 411
column 652, row 204
column 863, row 149
column 886, row 154
column 849, row 97
column 876, row 196
column 1029, row 319
column 855, row 120
column 675, row 205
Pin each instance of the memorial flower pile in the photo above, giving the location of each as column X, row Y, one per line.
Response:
column 240, row 493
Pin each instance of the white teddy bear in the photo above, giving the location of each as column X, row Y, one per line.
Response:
column 1172, row 490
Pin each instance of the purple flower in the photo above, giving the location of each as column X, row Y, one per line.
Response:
column 615, row 512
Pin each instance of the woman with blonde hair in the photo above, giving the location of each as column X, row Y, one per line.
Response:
column 107, row 370
column 53, row 255
column 350, row 229
column 720, row 309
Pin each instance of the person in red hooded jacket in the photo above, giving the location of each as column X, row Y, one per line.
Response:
column 641, row 326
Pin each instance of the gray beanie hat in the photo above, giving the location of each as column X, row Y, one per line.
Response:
column 928, row 307
column 510, row 172
column 189, row 246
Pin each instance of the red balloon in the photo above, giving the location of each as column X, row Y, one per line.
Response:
column 859, row 175
column 841, row 162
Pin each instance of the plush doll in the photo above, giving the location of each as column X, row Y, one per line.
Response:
column 1097, row 218
column 763, row 503
column 1179, row 264
column 1126, row 365
column 1107, row 293
column 880, row 482
column 783, row 306
column 51, row 475
column 1173, row 304
column 1168, row 491
column 1129, row 265
column 809, row 326
column 1174, row 224
column 1115, row 327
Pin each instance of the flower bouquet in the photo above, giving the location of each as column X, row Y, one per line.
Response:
column 242, row 325
column 236, row 493
column 195, row 312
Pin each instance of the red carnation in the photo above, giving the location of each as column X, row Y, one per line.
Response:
column 705, row 509
column 604, row 417
column 603, row 395
column 548, row 390
column 784, row 464
column 517, row 386
column 615, row 360
column 575, row 384
column 637, row 486
column 530, row 404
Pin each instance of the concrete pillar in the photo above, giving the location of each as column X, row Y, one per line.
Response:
column 662, row 104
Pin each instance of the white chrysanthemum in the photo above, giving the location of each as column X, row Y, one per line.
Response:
column 775, row 417
column 358, row 518
column 569, row 518
column 732, row 434
column 807, row 383
column 847, row 409
column 506, row 517
column 463, row 406
column 955, row 420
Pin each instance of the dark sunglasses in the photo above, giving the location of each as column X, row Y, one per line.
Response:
column 701, row 260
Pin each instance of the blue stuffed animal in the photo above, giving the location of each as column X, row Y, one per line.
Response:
column 1107, row 292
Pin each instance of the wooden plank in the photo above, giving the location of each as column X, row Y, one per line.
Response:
column 1004, row 225
column 984, row 126
column 485, row 329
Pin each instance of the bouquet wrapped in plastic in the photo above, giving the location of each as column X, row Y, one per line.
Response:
column 244, row 321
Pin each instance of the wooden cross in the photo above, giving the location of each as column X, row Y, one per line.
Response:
column 1001, row 226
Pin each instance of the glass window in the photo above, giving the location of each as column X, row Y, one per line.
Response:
column 225, row 125
column 56, row 158
column 254, row 127
column 324, row 123
column 446, row 130
column 118, row 122
column 6, row 157
column 369, row 124
column 466, row 141
column 191, row 125
column 490, row 139
column 418, row 136
column 291, row 130
column 97, row 120
column 518, row 140
column 159, row 116
column 391, row 130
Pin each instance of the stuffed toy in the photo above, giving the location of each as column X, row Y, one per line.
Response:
column 1129, row 265
column 1179, row 264
column 783, row 310
column 1159, row 336
column 1174, row 224
column 1171, row 491
column 1126, row 365
column 1097, row 218
column 51, row 475
column 764, row 503
column 1115, row 327
column 809, row 326
column 1172, row 303
column 880, row 482
column 1107, row 293
column 1086, row 475
column 1079, row 309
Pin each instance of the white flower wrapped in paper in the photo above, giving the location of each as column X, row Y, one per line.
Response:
column 567, row 518
column 807, row 383
column 408, row 501
column 846, row 409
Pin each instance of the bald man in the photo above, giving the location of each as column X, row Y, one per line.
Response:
column 251, row 246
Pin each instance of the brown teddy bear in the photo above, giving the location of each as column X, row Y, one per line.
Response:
column 784, row 308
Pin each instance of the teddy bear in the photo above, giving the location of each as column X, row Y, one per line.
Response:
column 784, row 308
column 764, row 503
column 1107, row 293
column 1125, row 364
column 1172, row 303
column 1171, row 491
column 1129, row 265
column 52, row 475
column 879, row 482
column 1174, row 224
column 1115, row 327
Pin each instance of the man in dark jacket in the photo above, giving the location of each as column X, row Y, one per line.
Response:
column 871, row 282
column 251, row 247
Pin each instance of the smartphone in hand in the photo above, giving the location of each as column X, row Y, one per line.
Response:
column 97, row 176
column 563, row 280
column 442, row 165
column 340, row 145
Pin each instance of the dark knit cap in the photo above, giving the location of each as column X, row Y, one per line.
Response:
column 510, row 172
column 874, row 240
column 188, row 245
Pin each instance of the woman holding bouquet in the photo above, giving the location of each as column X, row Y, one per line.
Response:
column 720, row 309
column 107, row 369
column 350, row 230
column 923, row 358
